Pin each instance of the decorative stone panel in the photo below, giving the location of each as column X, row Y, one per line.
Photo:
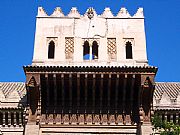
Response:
column 111, row 45
column 69, row 47
column 73, row 119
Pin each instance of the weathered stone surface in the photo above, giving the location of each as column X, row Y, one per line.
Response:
column 58, row 28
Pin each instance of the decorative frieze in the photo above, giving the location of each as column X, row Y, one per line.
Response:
column 86, row 119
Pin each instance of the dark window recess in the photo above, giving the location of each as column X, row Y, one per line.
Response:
column 94, row 50
column 51, row 50
column 128, row 50
column 86, row 49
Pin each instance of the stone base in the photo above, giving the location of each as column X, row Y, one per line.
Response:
column 146, row 129
column 83, row 130
column 32, row 129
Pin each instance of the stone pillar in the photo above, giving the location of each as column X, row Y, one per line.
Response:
column 177, row 118
column 9, row 118
column 20, row 118
column 39, row 105
column 171, row 117
column 165, row 116
column 4, row 119
column 15, row 121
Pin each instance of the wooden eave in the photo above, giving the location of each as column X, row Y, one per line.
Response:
column 101, row 69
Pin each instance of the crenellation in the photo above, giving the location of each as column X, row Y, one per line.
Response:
column 57, row 12
column 41, row 12
column 123, row 13
column 139, row 13
column 74, row 13
column 107, row 13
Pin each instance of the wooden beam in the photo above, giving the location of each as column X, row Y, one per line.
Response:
column 55, row 91
column 86, row 77
column 47, row 91
column 94, row 91
column 116, row 92
column 124, row 91
column 109, row 91
column 101, row 91
column 70, row 92
column 132, row 90
column 62, row 90
column 78, row 91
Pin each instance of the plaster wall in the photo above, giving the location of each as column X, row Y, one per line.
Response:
column 100, row 27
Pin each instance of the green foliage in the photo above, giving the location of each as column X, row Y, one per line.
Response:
column 164, row 127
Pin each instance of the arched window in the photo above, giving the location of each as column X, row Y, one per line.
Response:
column 51, row 50
column 94, row 50
column 86, row 49
column 128, row 50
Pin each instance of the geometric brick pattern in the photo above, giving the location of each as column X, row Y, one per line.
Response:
column 111, row 47
column 69, row 47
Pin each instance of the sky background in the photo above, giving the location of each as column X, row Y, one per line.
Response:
column 17, row 30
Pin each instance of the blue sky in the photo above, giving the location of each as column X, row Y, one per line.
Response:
column 17, row 29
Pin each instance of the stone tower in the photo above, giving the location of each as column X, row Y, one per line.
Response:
column 89, row 74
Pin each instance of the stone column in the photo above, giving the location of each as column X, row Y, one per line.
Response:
column 171, row 117
column 4, row 118
column 20, row 119
column 9, row 118
column 177, row 118
column 15, row 122
column 39, row 104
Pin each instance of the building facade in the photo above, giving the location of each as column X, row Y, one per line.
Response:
column 89, row 75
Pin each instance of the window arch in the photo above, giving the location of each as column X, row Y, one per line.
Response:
column 129, row 50
column 94, row 50
column 86, row 51
column 51, row 50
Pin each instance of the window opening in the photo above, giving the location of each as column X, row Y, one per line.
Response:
column 86, row 49
column 128, row 50
column 51, row 50
column 94, row 50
